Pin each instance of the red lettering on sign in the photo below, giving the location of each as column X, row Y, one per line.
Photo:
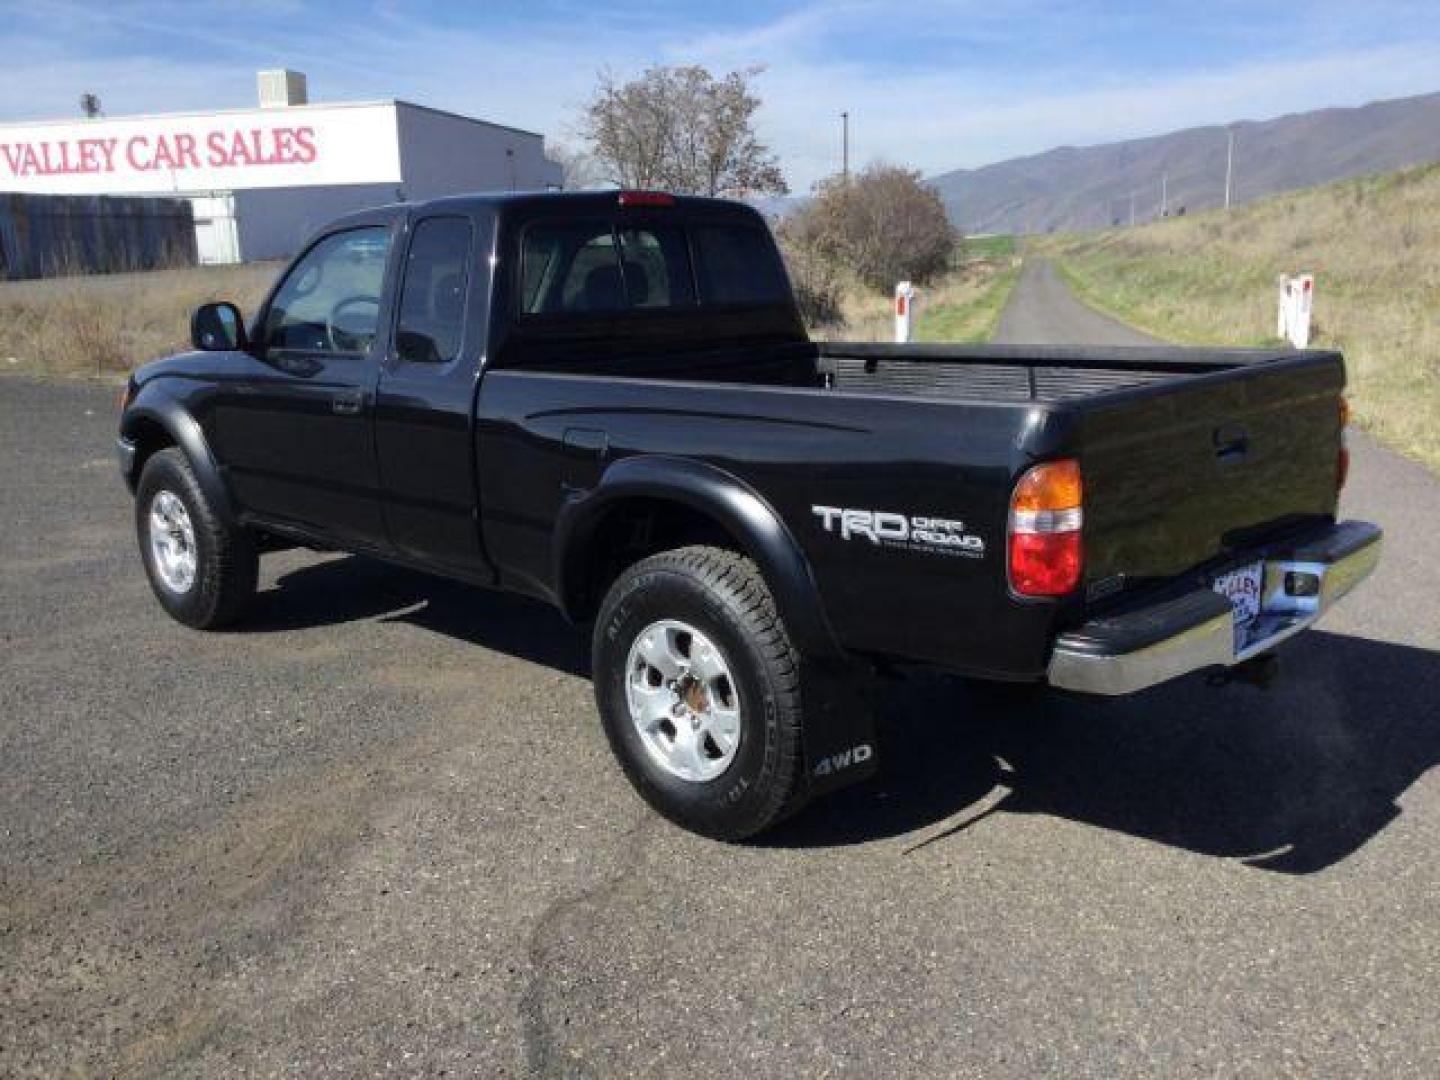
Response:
column 305, row 138
column 14, row 156
column 215, row 150
column 135, row 145
column 185, row 151
column 176, row 151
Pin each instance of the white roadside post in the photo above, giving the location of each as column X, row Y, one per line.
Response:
column 1304, row 301
column 1297, row 299
column 904, row 311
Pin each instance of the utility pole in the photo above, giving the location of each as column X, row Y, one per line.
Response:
column 1132, row 209
column 845, row 145
column 1229, row 164
column 1164, row 195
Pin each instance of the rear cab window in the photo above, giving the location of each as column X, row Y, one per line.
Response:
column 696, row 288
column 737, row 264
column 623, row 265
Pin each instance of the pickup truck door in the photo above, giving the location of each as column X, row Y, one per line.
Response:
column 424, row 411
column 296, row 433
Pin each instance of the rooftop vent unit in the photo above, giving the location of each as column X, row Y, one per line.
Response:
column 281, row 87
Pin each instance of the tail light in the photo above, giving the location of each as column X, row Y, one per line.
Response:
column 645, row 198
column 1046, row 557
column 1342, row 464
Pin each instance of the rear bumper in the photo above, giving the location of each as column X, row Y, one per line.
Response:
column 1129, row 652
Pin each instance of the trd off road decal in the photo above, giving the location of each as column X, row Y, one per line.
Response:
column 884, row 528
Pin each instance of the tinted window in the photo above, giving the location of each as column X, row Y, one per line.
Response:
column 570, row 267
column 737, row 264
column 432, row 297
column 656, row 266
column 330, row 300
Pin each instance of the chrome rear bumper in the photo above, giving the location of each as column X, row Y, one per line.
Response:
column 1150, row 645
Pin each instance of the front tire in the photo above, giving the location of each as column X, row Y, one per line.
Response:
column 699, row 690
column 201, row 570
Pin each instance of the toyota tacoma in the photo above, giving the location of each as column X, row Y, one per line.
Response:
column 608, row 401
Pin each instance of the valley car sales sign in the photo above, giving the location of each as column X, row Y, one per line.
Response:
column 255, row 148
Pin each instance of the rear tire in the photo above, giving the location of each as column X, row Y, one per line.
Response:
column 699, row 690
column 202, row 570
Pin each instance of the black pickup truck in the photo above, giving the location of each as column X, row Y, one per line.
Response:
column 608, row 401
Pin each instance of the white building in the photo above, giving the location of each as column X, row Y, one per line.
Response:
column 262, row 179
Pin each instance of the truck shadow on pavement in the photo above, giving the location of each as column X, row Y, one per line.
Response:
column 1291, row 779
column 352, row 589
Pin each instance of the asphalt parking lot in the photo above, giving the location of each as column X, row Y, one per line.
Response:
column 377, row 831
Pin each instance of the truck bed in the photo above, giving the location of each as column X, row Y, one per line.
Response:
column 1018, row 373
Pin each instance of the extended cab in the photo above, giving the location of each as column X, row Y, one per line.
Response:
column 608, row 401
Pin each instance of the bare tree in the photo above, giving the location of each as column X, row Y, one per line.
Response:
column 681, row 129
column 883, row 224
column 579, row 168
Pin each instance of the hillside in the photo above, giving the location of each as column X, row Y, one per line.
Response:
column 1090, row 187
column 1374, row 247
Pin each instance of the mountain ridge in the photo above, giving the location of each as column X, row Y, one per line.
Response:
column 1082, row 187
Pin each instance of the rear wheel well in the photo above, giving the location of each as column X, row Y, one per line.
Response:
column 629, row 532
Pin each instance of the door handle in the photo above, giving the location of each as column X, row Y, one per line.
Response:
column 589, row 442
column 1231, row 443
column 348, row 402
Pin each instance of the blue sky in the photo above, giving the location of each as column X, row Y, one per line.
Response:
column 936, row 85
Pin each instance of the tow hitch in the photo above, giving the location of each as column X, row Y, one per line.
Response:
column 1259, row 671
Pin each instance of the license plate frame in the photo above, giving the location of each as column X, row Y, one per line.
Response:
column 1243, row 586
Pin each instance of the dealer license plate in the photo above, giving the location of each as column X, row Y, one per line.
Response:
column 1242, row 588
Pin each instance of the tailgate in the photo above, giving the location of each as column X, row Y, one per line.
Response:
column 1189, row 472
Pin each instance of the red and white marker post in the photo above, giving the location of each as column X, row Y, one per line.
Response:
column 904, row 311
column 1297, row 298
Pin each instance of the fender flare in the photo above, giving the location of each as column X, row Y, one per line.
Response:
column 724, row 498
column 153, row 405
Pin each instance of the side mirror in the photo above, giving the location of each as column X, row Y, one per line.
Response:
column 217, row 327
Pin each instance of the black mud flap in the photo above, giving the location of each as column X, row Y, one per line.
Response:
column 840, row 747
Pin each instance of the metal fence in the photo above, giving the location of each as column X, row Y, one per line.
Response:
column 52, row 235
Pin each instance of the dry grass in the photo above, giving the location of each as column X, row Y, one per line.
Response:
column 963, row 306
column 1374, row 246
column 106, row 324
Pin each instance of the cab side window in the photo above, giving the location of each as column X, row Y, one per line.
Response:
column 432, row 296
column 330, row 299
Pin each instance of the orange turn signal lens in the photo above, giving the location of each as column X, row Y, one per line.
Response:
column 1052, row 486
column 1344, row 413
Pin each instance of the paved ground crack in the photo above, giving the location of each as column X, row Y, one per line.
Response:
column 540, row 1049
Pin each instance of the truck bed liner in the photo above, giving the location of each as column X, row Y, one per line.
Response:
column 990, row 382
column 1016, row 373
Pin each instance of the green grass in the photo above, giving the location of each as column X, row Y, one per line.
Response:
column 1373, row 244
column 973, row 317
column 988, row 248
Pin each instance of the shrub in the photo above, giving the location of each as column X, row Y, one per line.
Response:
column 883, row 225
column 817, row 284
